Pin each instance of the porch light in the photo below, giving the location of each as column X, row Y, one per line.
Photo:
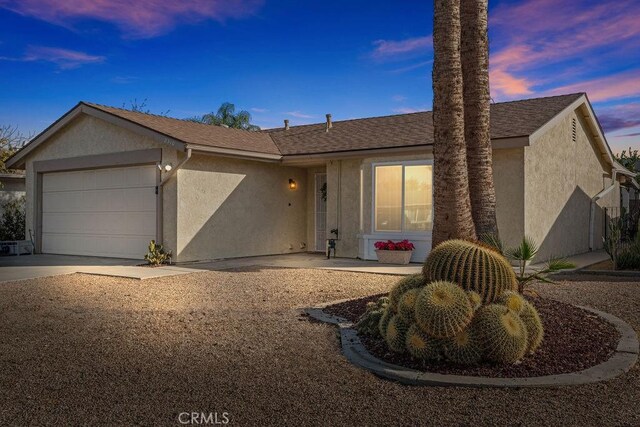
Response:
column 292, row 184
column 168, row 167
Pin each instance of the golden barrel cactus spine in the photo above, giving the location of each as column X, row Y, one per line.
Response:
column 465, row 348
column 472, row 266
column 397, row 333
column 406, row 305
column 409, row 282
column 422, row 346
column 442, row 309
column 503, row 335
column 535, row 330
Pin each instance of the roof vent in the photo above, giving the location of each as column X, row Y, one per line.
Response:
column 286, row 124
column 573, row 130
column 329, row 124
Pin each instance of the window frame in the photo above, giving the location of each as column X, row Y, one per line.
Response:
column 403, row 163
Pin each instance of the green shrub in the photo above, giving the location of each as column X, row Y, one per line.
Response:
column 157, row 255
column 472, row 266
column 12, row 223
column 443, row 309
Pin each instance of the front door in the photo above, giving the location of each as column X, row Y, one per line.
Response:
column 321, row 211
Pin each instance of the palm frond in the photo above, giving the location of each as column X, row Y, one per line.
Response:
column 526, row 251
column 557, row 264
column 492, row 240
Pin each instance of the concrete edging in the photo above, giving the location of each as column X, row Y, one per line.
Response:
column 623, row 359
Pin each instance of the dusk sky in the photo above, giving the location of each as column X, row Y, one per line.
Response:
column 302, row 59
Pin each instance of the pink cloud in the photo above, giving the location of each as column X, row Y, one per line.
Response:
column 547, row 32
column 394, row 48
column 138, row 18
column 65, row 59
column 616, row 86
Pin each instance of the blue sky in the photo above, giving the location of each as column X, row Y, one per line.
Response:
column 300, row 60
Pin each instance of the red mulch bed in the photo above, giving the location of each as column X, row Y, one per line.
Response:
column 574, row 340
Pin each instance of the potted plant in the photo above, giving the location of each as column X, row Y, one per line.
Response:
column 394, row 252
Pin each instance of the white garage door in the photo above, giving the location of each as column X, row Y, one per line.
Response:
column 100, row 212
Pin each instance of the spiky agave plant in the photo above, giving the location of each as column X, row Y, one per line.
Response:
column 442, row 309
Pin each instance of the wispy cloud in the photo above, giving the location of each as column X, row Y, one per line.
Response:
column 630, row 135
column 543, row 33
column 422, row 64
column 299, row 115
column 65, row 59
column 136, row 19
column 389, row 49
column 619, row 117
column 615, row 86
column 408, row 110
column 259, row 110
column 399, row 98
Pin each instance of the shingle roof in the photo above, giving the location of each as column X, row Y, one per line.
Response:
column 197, row 133
column 508, row 119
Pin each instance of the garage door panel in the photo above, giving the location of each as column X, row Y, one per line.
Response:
column 103, row 212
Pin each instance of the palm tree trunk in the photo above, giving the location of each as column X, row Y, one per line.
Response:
column 475, row 71
column 452, row 206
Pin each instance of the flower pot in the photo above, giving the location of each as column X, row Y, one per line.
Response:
column 393, row 257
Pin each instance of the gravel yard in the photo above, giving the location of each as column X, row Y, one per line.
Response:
column 83, row 349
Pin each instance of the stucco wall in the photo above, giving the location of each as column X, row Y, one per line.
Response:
column 561, row 177
column 508, row 178
column 87, row 135
column 234, row 208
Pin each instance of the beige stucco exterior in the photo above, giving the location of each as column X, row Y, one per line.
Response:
column 222, row 207
column 86, row 136
column 562, row 174
column 232, row 208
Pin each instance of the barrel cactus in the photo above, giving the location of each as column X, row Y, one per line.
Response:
column 465, row 348
column 407, row 303
column 472, row 266
column 475, row 299
column 422, row 346
column 533, row 324
column 397, row 333
column 442, row 309
column 411, row 281
column 503, row 335
column 370, row 320
column 384, row 321
column 512, row 300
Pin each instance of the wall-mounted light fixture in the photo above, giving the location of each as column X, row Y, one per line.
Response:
column 292, row 184
column 166, row 168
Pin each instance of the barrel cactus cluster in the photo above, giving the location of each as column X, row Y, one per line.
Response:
column 463, row 308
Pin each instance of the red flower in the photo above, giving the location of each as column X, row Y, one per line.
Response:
column 389, row 245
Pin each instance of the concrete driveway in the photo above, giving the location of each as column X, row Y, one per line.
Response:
column 35, row 266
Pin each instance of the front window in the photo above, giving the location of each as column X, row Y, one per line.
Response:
column 403, row 197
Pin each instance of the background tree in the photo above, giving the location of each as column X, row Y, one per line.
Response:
column 630, row 160
column 11, row 140
column 452, row 205
column 227, row 116
column 474, row 52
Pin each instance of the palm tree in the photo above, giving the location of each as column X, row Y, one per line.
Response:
column 474, row 52
column 452, row 205
column 227, row 116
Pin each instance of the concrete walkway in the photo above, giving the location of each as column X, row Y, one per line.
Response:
column 306, row 260
column 34, row 266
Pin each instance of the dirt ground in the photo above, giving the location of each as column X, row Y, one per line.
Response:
column 83, row 349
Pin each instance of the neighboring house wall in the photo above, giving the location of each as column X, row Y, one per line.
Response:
column 10, row 190
column 232, row 208
column 561, row 177
column 88, row 135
